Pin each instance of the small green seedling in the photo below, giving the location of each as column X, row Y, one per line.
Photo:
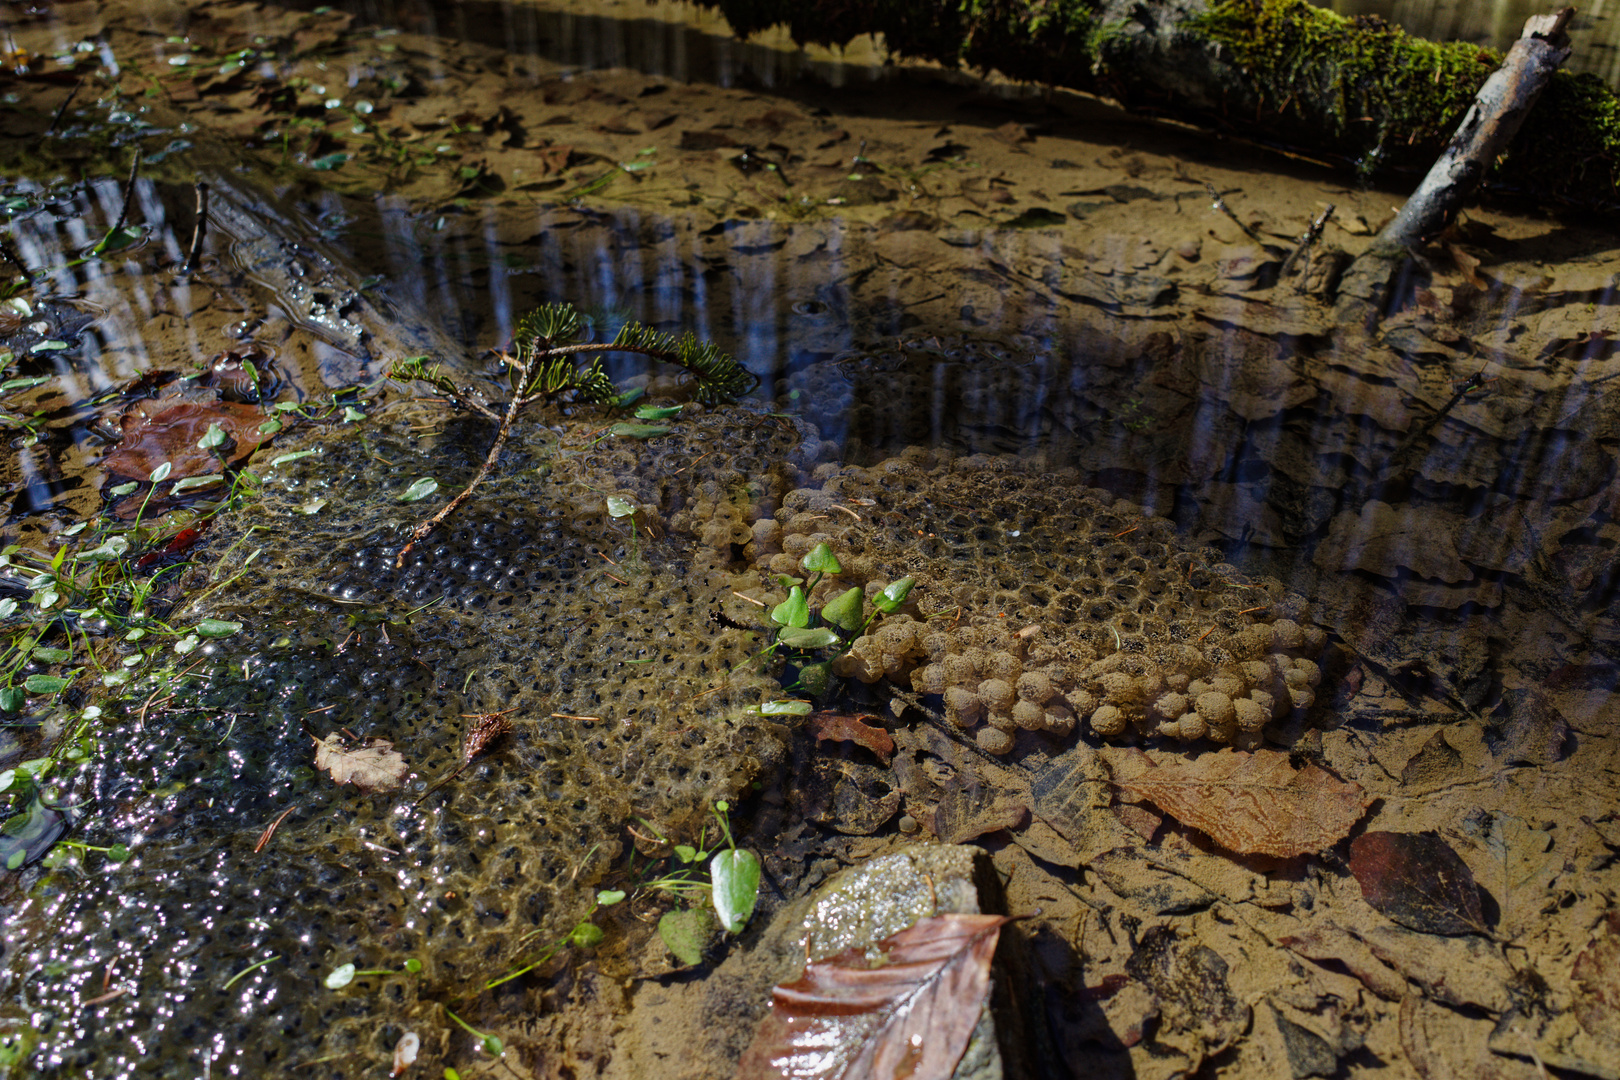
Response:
column 585, row 934
column 623, row 508
column 344, row 974
column 492, row 1045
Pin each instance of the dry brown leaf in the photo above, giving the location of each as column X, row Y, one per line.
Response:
column 1249, row 803
column 908, row 1014
column 373, row 766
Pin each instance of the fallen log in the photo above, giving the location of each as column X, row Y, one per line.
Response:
column 1357, row 91
column 1496, row 116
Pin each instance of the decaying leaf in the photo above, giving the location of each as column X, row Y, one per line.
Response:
column 373, row 766
column 836, row 727
column 908, row 1014
column 967, row 811
column 1249, row 803
column 1417, row 880
column 172, row 436
column 1597, row 973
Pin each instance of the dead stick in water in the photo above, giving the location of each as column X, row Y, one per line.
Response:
column 129, row 197
column 198, row 230
column 1219, row 203
column 1499, row 109
column 519, row 386
column 63, row 108
column 1306, row 240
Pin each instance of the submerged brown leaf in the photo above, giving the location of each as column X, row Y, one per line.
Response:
column 373, row 766
column 1417, row 880
column 1249, row 803
column 909, row 1013
column 1597, row 976
column 172, row 436
column 837, row 727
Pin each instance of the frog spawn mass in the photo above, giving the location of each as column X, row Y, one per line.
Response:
column 1042, row 605
column 1039, row 604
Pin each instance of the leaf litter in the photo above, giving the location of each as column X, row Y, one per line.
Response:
column 1248, row 802
column 374, row 765
column 1417, row 880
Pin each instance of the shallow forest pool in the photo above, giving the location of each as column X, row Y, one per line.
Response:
column 1172, row 523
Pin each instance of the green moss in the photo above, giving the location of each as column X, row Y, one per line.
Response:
column 1576, row 153
column 1381, row 88
column 1277, row 70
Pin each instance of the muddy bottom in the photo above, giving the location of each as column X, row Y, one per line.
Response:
column 934, row 279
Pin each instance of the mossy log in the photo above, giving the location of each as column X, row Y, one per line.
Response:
column 1357, row 91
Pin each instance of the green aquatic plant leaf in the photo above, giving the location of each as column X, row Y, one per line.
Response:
column 620, row 508
column 685, row 932
column 216, row 628
column 794, row 611
column 213, row 437
column 189, row 482
column 821, row 560
column 816, row 679
column 587, row 935
column 735, row 875
column 639, row 431
column 893, row 595
column 818, row 637
column 654, row 412
column 420, row 490
column 845, row 610
column 28, row 835
column 45, row 684
column 340, row 977
column 785, row 708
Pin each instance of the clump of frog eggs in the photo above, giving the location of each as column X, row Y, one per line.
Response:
column 1048, row 605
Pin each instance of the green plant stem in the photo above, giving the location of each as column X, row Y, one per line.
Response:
column 244, row 971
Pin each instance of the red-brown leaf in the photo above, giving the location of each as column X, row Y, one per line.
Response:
column 1250, row 803
column 1418, row 881
column 1597, row 975
column 909, row 1016
column 172, row 435
column 835, row 727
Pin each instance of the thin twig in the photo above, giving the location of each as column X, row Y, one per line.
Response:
column 1472, row 383
column 1220, row 204
column 9, row 253
column 62, row 108
column 264, row 837
column 449, row 508
column 129, row 197
column 1306, row 239
column 198, row 231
